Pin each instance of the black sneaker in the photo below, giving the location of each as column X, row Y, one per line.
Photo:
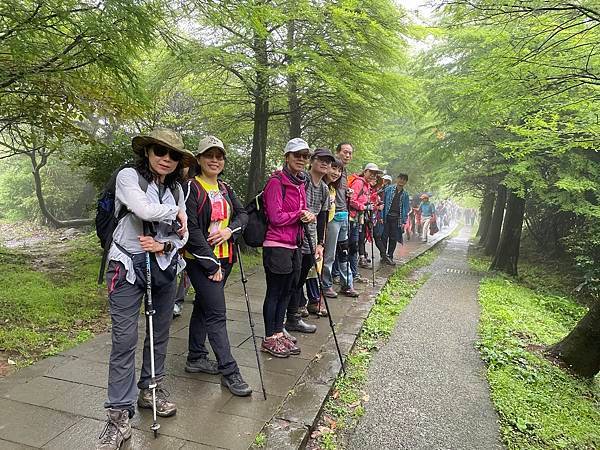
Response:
column 236, row 385
column 389, row 261
column 203, row 365
column 300, row 325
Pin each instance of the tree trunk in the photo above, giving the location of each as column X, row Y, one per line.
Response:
column 42, row 202
column 487, row 207
column 580, row 349
column 495, row 227
column 507, row 252
column 295, row 117
column 256, row 173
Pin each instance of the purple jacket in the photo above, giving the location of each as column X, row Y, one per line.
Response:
column 283, row 214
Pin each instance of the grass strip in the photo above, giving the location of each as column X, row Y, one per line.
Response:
column 540, row 405
column 345, row 406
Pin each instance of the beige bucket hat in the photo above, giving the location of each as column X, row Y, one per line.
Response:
column 165, row 137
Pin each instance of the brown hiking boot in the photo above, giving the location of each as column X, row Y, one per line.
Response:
column 164, row 408
column 303, row 311
column 330, row 293
column 313, row 308
column 116, row 431
column 349, row 292
column 289, row 345
column 274, row 347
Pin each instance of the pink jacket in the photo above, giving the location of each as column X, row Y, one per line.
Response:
column 283, row 214
column 360, row 196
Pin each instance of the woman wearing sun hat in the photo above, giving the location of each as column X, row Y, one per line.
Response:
column 161, row 156
column 216, row 219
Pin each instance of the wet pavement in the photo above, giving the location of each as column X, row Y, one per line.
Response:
column 427, row 385
column 57, row 403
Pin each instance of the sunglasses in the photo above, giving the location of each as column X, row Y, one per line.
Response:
column 304, row 156
column 161, row 151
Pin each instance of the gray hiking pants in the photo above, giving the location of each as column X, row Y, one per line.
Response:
column 125, row 301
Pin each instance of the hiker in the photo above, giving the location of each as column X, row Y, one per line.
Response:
column 317, row 202
column 285, row 206
column 161, row 155
column 215, row 219
column 396, row 205
column 371, row 214
column 387, row 180
column 427, row 210
column 336, row 245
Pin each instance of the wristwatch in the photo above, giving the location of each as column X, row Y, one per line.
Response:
column 168, row 247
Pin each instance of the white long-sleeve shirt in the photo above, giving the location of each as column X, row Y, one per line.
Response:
column 144, row 207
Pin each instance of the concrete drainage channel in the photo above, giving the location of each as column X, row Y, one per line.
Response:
column 291, row 426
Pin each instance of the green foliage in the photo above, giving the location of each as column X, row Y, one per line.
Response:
column 45, row 310
column 584, row 246
column 540, row 405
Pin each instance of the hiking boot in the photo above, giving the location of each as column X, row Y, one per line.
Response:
column 313, row 308
column 329, row 293
column 360, row 279
column 337, row 280
column 236, row 385
column 274, row 347
column 303, row 311
column 116, row 431
column 289, row 336
column 389, row 261
column 177, row 310
column 290, row 346
column 203, row 365
column 297, row 324
column 164, row 408
column 349, row 292
column 362, row 262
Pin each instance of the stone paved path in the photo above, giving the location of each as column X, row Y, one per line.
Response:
column 427, row 385
column 57, row 403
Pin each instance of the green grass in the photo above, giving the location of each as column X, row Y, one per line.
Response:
column 346, row 405
column 44, row 312
column 540, row 405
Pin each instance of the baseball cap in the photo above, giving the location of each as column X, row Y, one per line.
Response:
column 372, row 167
column 210, row 142
column 295, row 145
column 323, row 153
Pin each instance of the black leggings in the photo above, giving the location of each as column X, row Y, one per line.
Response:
column 279, row 285
column 209, row 318
column 297, row 298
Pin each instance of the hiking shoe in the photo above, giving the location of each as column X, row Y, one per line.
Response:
column 164, row 408
column 203, row 365
column 177, row 310
column 337, row 280
column 389, row 261
column 297, row 324
column 116, row 431
column 362, row 262
column 289, row 336
column 274, row 347
column 236, row 385
column 303, row 311
column 290, row 346
column 349, row 292
column 330, row 293
column 313, row 308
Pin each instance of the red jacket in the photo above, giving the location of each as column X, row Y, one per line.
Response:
column 361, row 195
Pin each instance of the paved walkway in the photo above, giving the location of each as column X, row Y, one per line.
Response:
column 57, row 403
column 427, row 385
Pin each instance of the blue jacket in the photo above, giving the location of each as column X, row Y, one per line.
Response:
column 388, row 196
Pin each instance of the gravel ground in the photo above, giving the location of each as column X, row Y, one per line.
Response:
column 427, row 386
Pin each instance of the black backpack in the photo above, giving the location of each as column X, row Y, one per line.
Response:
column 255, row 231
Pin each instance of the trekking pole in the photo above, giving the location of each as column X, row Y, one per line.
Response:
column 321, row 296
column 250, row 319
column 372, row 250
column 149, row 313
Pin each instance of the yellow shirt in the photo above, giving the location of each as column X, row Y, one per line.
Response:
column 220, row 208
column 331, row 203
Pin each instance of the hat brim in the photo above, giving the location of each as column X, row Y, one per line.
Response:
column 139, row 144
column 208, row 148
